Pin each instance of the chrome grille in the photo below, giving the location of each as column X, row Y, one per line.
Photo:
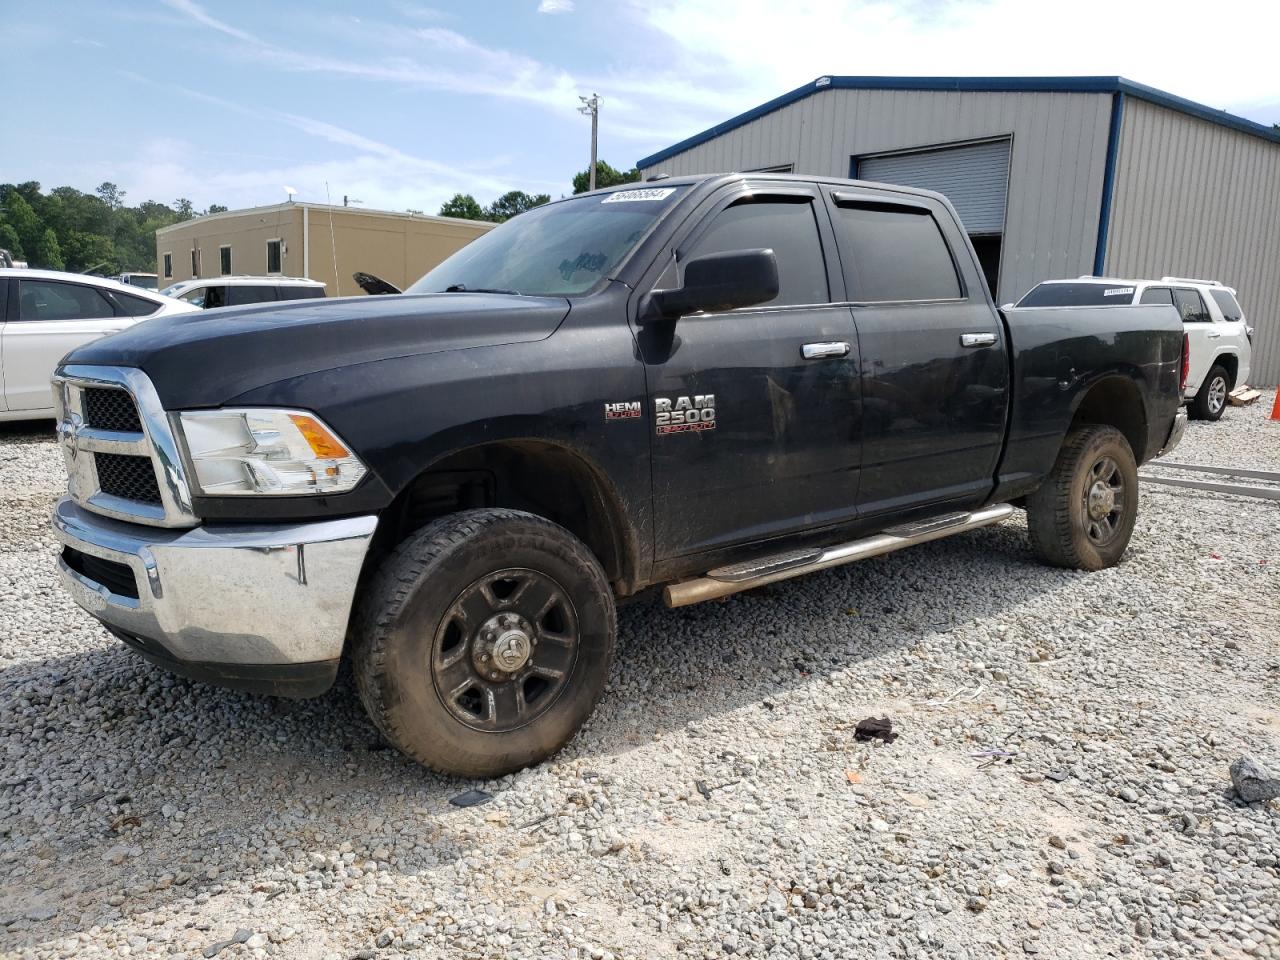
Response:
column 130, row 478
column 111, row 410
column 121, row 454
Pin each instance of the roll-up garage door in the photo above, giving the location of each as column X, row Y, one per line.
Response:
column 974, row 178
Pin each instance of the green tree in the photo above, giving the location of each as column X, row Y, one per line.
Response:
column 9, row 241
column 111, row 195
column 513, row 203
column 83, row 251
column 19, row 214
column 606, row 176
column 183, row 208
column 216, row 208
column 463, row 206
column 47, row 253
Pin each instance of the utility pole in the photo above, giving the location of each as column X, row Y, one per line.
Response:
column 591, row 107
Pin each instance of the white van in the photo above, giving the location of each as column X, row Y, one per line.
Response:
column 242, row 291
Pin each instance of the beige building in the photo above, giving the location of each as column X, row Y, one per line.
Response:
column 308, row 240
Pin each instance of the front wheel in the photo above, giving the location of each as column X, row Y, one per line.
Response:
column 485, row 641
column 1211, row 401
column 1082, row 516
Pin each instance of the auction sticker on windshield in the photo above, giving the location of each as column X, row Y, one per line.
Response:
column 1118, row 292
column 634, row 196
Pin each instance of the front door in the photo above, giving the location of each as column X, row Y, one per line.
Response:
column 755, row 411
column 53, row 318
column 934, row 364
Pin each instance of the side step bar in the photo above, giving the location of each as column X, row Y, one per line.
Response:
column 729, row 580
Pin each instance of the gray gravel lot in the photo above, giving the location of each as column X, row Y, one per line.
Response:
column 142, row 814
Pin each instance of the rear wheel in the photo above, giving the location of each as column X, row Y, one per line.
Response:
column 1082, row 516
column 1211, row 402
column 485, row 642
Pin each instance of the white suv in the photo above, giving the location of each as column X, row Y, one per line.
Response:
column 1220, row 337
column 243, row 291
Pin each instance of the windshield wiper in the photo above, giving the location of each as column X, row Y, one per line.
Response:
column 463, row 288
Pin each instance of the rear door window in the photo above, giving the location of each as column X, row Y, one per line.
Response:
column 215, row 297
column 1227, row 304
column 891, row 252
column 239, row 295
column 51, row 300
column 300, row 293
column 784, row 226
column 1157, row 295
column 1190, row 305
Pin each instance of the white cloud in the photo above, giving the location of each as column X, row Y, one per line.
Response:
column 556, row 6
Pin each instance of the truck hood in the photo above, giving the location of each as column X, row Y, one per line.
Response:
column 206, row 358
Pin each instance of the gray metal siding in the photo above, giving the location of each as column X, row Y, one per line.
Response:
column 1194, row 199
column 974, row 178
column 1059, row 147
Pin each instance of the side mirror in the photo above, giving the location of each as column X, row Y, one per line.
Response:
column 718, row 281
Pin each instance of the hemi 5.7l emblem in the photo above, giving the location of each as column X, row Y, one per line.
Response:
column 628, row 410
column 684, row 414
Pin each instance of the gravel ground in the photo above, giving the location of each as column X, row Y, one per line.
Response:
column 718, row 803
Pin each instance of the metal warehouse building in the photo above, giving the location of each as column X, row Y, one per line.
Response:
column 1053, row 176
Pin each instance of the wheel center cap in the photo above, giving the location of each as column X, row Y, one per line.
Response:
column 511, row 650
column 1102, row 500
column 504, row 645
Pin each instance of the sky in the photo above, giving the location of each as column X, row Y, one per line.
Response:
column 401, row 104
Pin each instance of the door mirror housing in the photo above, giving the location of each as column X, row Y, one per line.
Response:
column 718, row 281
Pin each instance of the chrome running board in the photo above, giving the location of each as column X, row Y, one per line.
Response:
column 734, row 579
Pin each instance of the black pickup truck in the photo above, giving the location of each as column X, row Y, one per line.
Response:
column 700, row 384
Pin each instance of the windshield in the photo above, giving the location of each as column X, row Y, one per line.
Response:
column 174, row 289
column 555, row 250
column 1079, row 295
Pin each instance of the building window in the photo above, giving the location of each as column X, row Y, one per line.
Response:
column 168, row 266
column 273, row 256
column 224, row 261
column 195, row 262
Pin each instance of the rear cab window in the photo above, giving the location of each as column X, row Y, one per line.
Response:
column 1080, row 295
column 891, row 252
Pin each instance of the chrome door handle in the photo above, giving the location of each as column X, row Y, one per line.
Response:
column 977, row 339
column 816, row 351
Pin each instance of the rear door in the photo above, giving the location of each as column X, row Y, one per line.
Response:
column 5, row 285
column 53, row 318
column 1199, row 327
column 755, row 436
column 934, row 367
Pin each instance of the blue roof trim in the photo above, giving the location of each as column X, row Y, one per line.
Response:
column 1112, row 85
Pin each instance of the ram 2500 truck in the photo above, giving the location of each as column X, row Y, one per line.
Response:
column 701, row 384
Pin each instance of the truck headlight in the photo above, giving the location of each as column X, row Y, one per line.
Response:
column 235, row 452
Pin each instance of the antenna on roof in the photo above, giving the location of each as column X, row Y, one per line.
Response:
column 290, row 193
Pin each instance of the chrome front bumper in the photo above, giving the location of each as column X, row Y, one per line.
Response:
column 217, row 599
column 1175, row 432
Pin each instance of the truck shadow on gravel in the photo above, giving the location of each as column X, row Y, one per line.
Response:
column 123, row 781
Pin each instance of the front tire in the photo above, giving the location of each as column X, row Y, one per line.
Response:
column 485, row 640
column 1082, row 516
column 1211, row 402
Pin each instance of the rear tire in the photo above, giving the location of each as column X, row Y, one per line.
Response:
column 1211, row 402
column 1082, row 516
column 484, row 642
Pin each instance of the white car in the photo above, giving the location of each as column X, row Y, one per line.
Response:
column 1219, row 335
column 44, row 314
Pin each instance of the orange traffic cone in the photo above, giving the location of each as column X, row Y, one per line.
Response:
column 1275, row 407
